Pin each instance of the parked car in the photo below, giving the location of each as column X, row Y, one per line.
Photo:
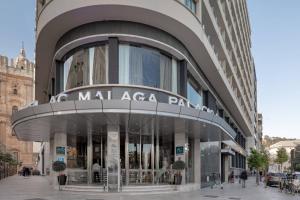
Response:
column 275, row 178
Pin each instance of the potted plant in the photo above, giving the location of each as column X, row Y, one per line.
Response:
column 178, row 166
column 59, row 166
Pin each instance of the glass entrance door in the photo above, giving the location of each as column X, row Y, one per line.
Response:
column 99, row 173
column 146, row 162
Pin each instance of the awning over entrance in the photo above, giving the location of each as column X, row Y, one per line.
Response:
column 40, row 122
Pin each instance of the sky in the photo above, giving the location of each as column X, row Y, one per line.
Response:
column 275, row 26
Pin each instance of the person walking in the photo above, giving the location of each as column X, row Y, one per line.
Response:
column 231, row 177
column 243, row 177
column 260, row 175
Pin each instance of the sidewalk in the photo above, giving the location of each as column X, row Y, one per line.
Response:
column 38, row 188
column 251, row 192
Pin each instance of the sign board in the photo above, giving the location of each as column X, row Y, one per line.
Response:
column 125, row 93
column 179, row 150
column 61, row 150
column 62, row 159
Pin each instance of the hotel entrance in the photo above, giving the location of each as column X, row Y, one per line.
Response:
column 116, row 156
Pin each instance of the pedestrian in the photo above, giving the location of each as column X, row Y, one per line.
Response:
column 23, row 172
column 260, row 176
column 231, row 177
column 266, row 180
column 243, row 177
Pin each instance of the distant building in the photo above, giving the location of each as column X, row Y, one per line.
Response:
column 288, row 145
column 16, row 91
column 259, row 131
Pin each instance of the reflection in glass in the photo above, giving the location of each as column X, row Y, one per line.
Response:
column 134, row 150
column 146, row 66
column 99, row 65
column 76, row 70
column 77, row 159
column 77, row 151
column 86, row 67
column 211, row 153
column 194, row 95
column 146, row 151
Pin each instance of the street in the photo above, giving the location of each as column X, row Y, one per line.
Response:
column 38, row 188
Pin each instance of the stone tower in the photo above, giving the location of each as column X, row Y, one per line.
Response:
column 16, row 91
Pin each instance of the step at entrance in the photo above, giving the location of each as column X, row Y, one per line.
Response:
column 151, row 189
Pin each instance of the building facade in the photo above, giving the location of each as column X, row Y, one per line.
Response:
column 291, row 147
column 16, row 91
column 126, row 88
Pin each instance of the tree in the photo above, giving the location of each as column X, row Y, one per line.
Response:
column 258, row 161
column 265, row 160
column 281, row 156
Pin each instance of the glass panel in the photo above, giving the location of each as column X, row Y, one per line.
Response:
column 210, row 169
column 99, row 72
column 99, row 154
column 134, row 150
column 86, row 67
column 124, row 52
column 190, row 161
column 165, row 73
column 76, row 70
column 193, row 95
column 77, row 159
column 146, row 151
column 174, row 75
column 191, row 4
column 145, row 66
column 166, row 158
column 151, row 65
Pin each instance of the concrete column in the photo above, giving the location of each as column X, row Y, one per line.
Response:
column 126, row 155
column 197, row 161
column 227, row 168
column 59, row 140
column 89, row 153
column 113, row 157
column 180, row 141
column 152, row 148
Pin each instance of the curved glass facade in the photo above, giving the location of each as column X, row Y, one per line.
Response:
column 138, row 65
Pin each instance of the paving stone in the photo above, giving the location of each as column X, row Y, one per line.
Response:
column 39, row 188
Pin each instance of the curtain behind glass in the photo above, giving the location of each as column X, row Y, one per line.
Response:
column 136, row 69
column 165, row 73
column 124, row 52
column 151, row 68
column 99, row 71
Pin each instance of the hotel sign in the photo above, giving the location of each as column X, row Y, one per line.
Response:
column 125, row 93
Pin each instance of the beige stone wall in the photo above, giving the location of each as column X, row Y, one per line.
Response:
column 16, row 91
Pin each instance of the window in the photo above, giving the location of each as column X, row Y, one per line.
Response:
column 148, row 67
column 194, row 94
column 14, row 109
column 86, row 67
column 15, row 91
column 191, row 4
